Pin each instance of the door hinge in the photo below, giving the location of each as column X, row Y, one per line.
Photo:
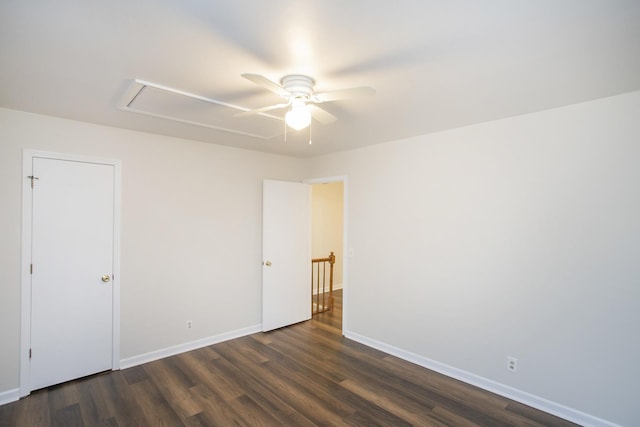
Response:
column 31, row 269
column 29, row 353
column 31, row 177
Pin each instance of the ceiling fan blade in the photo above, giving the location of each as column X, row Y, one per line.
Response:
column 321, row 115
column 266, row 83
column 261, row 110
column 335, row 95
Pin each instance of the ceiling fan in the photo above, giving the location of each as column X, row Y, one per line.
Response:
column 297, row 90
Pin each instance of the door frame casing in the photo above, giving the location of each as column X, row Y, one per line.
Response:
column 345, row 238
column 27, row 205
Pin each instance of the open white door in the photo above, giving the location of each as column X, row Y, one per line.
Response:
column 286, row 251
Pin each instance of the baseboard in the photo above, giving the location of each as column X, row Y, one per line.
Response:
column 336, row 287
column 525, row 398
column 9, row 396
column 188, row 346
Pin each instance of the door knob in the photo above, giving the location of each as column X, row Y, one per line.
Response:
column 267, row 263
column 106, row 278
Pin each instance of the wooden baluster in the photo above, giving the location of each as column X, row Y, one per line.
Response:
column 332, row 260
column 327, row 300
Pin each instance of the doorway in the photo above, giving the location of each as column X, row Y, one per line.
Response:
column 328, row 234
column 281, row 200
column 70, row 282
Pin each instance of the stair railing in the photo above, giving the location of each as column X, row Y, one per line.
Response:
column 321, row 291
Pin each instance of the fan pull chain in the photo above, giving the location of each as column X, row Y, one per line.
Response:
column 285, row 131
column 310, row 142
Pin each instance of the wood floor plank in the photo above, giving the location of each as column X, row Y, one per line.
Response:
column 450, row 419
column 210, row 376
column 89, row 404
column 302, row 401
column 319, row 390
column 135, row 374
column 367, row 413
column 412, row 414
column 33, row 411
column 69, row 416
column 153, row 406
column 263, row 394
column 215, row 410
column 116, row 399
column 252, row 413
column 63, row 409
column 174, row 387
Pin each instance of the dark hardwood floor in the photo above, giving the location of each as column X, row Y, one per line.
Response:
column 303, row 375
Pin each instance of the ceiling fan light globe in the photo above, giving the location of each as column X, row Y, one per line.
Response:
column 299, row 117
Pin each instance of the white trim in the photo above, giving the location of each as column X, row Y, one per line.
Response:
column 137, row 86
column 188, row 346
column 523, row 397
column 25, row 280
column 117, row 223
column 345, row 238
column 9, row 396
column 25, row 322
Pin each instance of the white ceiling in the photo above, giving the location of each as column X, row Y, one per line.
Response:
column 434, row 64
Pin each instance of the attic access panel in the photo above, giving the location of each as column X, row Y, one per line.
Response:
column 172, row 104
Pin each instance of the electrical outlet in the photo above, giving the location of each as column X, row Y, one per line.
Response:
column 189, row 324
column 512, row 364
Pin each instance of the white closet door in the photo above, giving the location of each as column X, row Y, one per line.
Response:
column 72, row 256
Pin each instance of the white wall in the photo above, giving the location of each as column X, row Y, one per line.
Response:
column 517, row 237
column 191, row 231
column 326, row 225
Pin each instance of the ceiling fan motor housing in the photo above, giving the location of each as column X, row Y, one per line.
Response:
column 298, row 85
